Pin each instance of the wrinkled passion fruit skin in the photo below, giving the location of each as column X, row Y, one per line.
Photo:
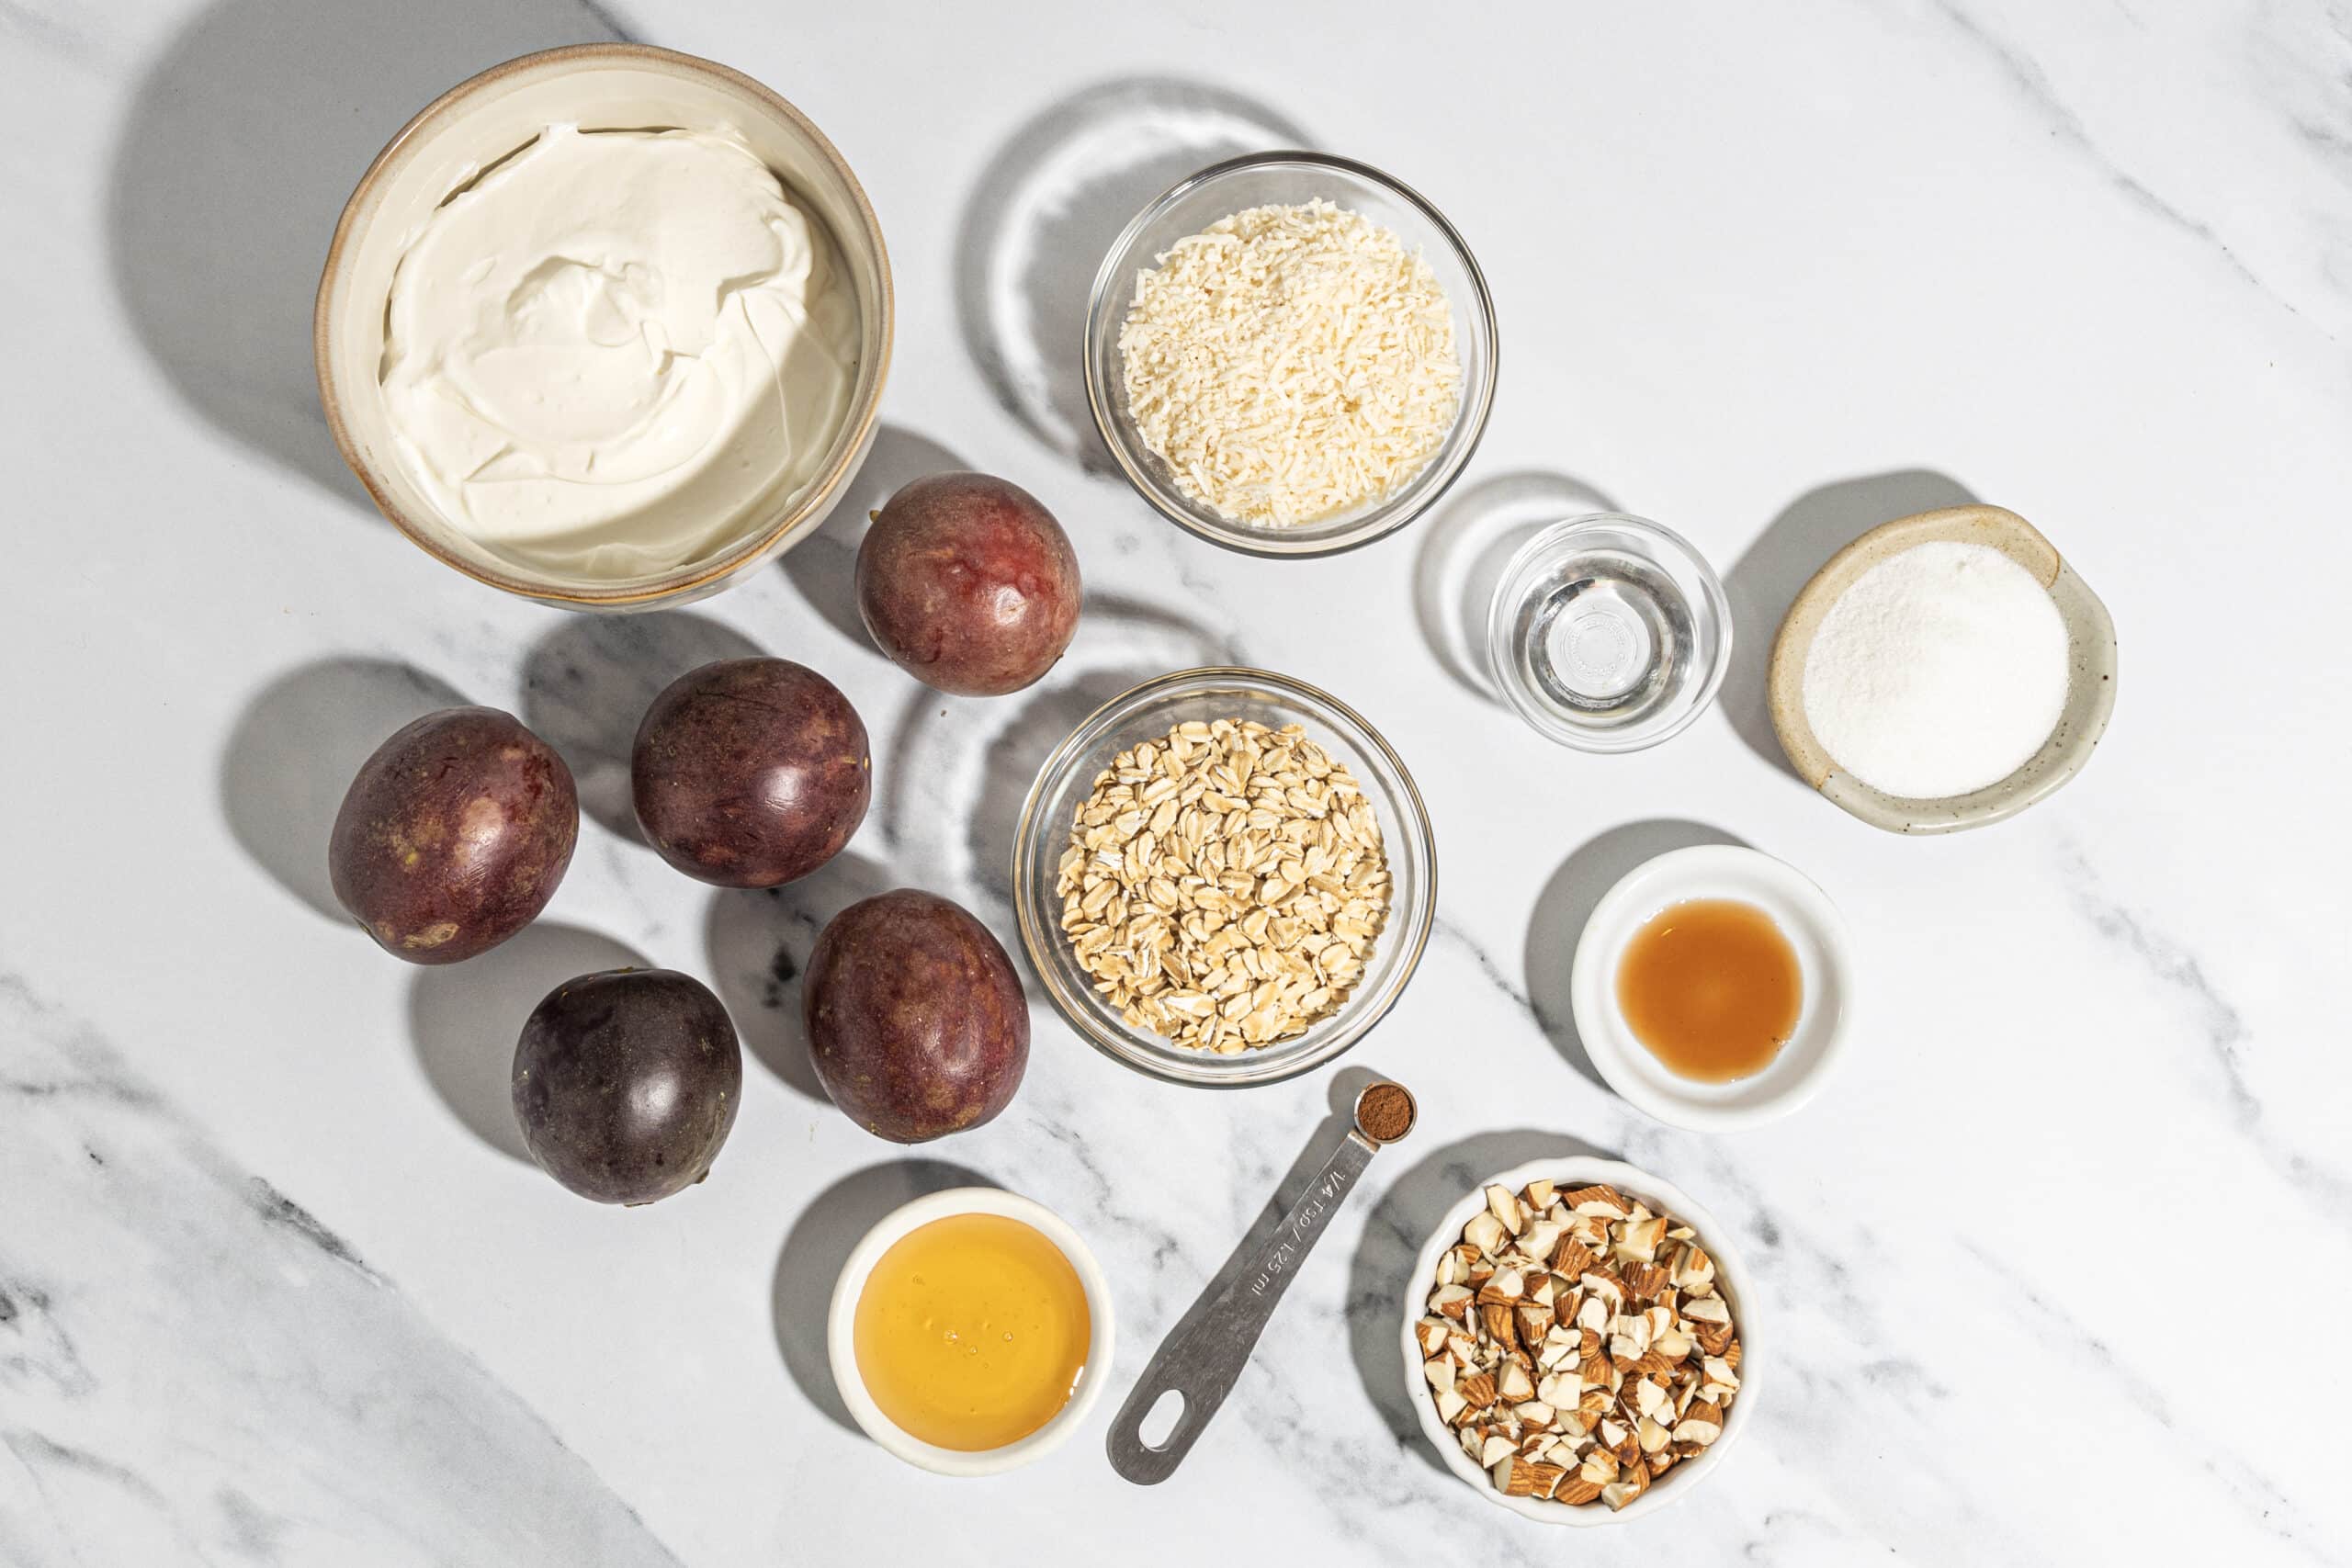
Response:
column 968, row 584
column 454, row 835
column 626, row 1083
column 916, row 1022
column 751, row 773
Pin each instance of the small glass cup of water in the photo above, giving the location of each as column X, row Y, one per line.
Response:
column 1608, row 633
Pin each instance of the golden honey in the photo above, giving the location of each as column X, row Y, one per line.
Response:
column 971, row 1331
column 1711, row 987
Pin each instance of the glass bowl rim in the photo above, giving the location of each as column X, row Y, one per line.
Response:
column 1405, row 506
column 1548, row 538
column 1356, row 1018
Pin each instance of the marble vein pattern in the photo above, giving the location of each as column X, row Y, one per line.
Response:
column 219, row 1376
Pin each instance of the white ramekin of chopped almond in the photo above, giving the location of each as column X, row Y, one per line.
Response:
column 1576, row 1339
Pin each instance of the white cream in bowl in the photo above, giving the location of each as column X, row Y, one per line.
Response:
column 620, row 271
column 604, row 355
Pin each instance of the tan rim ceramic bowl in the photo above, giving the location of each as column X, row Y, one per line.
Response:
column 2090, row 652
column 597, row 86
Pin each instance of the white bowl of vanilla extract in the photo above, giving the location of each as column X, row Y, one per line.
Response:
column 1713, row 987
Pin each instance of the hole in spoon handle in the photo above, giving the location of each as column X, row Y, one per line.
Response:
column 1146, row 1461
column 1200, row 1361
column 1172, row 1402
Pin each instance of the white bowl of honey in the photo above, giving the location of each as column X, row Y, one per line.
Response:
column 971, row 1332
column 1714, row 986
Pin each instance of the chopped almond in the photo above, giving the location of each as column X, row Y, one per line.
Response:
column 1701, row 1424
column 1601, row 1202
column 1638, row 1241
column 1535, row 1322
column 1503, row 1203
column 1619, row 1494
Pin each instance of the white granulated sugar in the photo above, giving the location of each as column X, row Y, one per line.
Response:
column 1291, row 363
column 1941, row 671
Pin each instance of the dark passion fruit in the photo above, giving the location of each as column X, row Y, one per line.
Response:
column 454, row 835
column 750, row 773
column 626, row 1083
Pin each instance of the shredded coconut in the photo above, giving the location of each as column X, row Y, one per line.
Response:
column 1291, row 363
column 1941, row 671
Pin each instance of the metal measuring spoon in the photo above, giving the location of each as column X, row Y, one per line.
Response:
column 1201, row 1362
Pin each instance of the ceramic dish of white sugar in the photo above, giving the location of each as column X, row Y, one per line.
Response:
column 1939, row 672
column 1943, row 671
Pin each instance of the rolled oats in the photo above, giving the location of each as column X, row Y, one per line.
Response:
column 1225, row 884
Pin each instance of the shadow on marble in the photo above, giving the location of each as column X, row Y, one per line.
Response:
column 934, row 746
column 1050, row 712
column 1566, row 903
column 829, row 1229
column 757, row 941
column 1381, row 1276
column 294, row 751
column 1465, row 547
column 588, row 682
column 824, row 567
column 1045, row 213
column 1316, row 1149
column 1765, row 581
column 464, row 1019
column 960, row 768
column 241, row 144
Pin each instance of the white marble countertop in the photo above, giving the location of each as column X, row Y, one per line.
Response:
column 2051, row 1267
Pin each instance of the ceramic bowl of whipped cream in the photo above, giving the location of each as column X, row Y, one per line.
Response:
column 605, row 326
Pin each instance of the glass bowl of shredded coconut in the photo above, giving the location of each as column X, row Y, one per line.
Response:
column 1290, row 353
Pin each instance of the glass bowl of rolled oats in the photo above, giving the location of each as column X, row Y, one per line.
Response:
column 1223, row 876
column 1575, row 1337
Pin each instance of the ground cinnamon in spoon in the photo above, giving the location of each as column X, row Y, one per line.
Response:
column 1386, row 1112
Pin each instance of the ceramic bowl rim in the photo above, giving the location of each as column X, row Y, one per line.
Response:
column 1692, row 873
column 2091, row 673
column 840, row 1348
column 1424, row 489
column 859, row 423
column 1732, row 1277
